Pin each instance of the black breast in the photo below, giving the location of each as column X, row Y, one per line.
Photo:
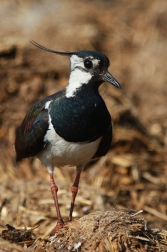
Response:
column 83, row 118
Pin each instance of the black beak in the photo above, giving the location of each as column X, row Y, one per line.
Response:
column 109, row 78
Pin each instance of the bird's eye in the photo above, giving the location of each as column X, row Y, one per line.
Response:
column 88, row 63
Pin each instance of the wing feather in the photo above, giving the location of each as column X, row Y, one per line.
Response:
column 30, row 135
column 104, row 144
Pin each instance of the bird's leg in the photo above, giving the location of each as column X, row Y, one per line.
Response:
column 74, row 190
column 54, row 189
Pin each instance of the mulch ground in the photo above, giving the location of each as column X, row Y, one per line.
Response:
column 133, row 174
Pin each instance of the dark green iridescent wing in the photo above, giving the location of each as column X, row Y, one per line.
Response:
column 30, row 135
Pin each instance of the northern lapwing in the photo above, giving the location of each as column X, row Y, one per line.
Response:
column 72, row 126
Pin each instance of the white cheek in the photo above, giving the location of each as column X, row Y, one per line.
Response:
column 77, row 79
column 76, row 61
column 79, row 75
column 95, row 62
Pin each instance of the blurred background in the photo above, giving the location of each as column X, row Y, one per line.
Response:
column 133, row 34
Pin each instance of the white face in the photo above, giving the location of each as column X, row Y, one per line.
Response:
column 79, row 62
column 79, row 74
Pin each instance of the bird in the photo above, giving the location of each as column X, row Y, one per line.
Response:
column 72, row 126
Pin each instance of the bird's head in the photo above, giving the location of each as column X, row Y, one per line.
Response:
column 87, row 68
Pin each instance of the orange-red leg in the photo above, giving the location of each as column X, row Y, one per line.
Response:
column 54, row 190
column 74, row 190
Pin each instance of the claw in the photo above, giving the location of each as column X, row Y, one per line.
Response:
column 57, row 227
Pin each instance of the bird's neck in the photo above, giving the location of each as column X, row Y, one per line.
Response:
column 81, row 81
column 76, row 80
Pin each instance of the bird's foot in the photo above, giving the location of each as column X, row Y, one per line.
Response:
column 62, row 224
column 57, row 227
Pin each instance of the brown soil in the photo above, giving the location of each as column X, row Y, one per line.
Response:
column 133, row 174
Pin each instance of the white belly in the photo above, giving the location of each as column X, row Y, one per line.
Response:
column 59, row 153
